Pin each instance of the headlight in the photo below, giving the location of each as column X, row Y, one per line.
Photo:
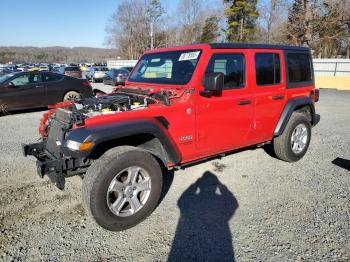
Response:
column 76, row 146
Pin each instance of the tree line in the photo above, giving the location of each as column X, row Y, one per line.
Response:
column 322, row 25
column 56, row 54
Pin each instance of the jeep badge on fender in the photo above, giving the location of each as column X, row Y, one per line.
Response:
column 241, row 95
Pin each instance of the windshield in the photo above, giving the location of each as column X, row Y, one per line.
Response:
column 5, row 77
column 174, row 67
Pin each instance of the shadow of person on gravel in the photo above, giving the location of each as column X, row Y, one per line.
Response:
column 203, row 231
column 341, row 162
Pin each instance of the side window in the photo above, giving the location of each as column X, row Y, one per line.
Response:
column 267, row 68
column 232, row 66
column 20, row 81
column 26, row 79
column 299, row 67
column 51, row 77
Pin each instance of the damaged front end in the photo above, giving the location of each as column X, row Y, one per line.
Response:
column 51, row 160
column 58, row 156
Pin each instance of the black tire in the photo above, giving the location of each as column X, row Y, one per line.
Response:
column 71, row 96
column 282, row 145
column 103, row 171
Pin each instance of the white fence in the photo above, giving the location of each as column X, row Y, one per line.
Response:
column 325, row 67
column 120, row 63
column 332, row 67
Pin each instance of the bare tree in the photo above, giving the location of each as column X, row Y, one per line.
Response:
column 273, row 13
column 190, row 20
column 131, row 24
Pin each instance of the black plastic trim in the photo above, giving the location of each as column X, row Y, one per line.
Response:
column 290, row 108
column 256, row 46
column 109, row 132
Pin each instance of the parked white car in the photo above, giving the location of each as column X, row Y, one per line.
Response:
column 96, row 73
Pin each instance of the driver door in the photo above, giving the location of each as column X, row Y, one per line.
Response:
column 223, row 122
column 24, row 91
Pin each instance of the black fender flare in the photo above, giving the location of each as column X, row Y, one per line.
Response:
column 288, row 110
column 103, row 133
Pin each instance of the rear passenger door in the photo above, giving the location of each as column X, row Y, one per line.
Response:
column 54, row 87
column 224, row 121
column 269, row 92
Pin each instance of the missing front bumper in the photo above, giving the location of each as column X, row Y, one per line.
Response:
column 56, row 168
column 46, row 164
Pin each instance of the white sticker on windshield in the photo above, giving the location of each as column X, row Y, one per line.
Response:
column 189, row 56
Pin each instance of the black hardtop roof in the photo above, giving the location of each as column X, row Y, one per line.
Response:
column 256, row 46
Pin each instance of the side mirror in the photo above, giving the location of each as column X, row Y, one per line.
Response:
column 213, row 84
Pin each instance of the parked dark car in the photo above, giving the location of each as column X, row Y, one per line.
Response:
column 38, row 89
column 129, row 68
column 73, row 71
column 5, row 71
column 116, row 77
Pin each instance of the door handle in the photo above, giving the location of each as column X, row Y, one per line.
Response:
column 278, row 97
column 244, row 102
column 37, row 86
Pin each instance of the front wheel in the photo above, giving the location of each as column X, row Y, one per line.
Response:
column 292, row 145
column 122, row 188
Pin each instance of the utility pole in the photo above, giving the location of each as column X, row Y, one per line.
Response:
column 152, row 40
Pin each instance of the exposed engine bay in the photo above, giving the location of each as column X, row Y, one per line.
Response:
column 119, row 102
column 109, row 104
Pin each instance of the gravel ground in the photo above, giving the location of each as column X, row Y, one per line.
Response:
column 248, row 206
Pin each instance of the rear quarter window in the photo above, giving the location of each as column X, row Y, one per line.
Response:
column 299, row 69
column 52, row 77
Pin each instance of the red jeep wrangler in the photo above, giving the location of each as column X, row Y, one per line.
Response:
column 179, row 105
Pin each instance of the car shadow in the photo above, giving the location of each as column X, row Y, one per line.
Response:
column 17, row 112
column 168, row 177
column 203, row 232
column 341, row 162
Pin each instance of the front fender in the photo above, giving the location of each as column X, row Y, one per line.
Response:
column 103, row 133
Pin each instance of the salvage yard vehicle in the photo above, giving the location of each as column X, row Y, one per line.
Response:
column 73, row 71
column 116, row 77
column 25, row 90
column 96, row 73
column 180, row 105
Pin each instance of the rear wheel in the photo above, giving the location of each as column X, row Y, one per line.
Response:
column 122, row 188
column 71, row 96
column 292, row 145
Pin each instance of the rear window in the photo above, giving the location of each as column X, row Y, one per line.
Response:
column 122, row 71
column 267, row 68
column 299, row 67
column 72, row 68
column 52, row 77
